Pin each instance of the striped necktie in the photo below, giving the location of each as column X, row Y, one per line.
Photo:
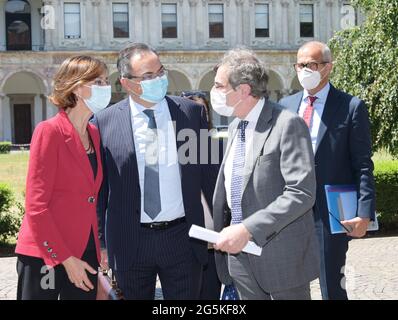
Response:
column 309, row 111
column 237, row 173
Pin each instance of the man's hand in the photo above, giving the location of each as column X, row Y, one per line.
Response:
column 104, row 260
column 357, row 225
column 233, row 239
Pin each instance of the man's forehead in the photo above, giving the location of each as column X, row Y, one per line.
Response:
column 147, row 60
column 222, row 75
column 308, row 53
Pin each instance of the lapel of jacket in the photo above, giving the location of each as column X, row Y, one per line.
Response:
column 96, row 141
column 260, row 136
column 175, row 114
column 332, row 106
column 177, row 117
column 233, row 129
column 75, row 145
column 125, row 128
column 295, row 105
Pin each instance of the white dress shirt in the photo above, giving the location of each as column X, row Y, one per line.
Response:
column 319, row 106
column 169, row 169
column 252, row 118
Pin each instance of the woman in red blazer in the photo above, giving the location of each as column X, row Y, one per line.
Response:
column 58, row 248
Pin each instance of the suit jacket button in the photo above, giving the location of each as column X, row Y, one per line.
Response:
column 91, row 199
column 54, row 255
column 45, row 243
column 50, row 250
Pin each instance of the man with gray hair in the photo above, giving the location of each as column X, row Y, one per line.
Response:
column 340, row 133
column 265, row 189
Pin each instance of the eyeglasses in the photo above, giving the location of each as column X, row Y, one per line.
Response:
column 149, row 76
column 310, row 65
column 192, row 94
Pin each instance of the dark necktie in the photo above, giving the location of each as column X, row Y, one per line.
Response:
column 152, row 204
column 237, row 173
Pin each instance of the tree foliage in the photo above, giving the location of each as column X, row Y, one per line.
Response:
column 366, row 65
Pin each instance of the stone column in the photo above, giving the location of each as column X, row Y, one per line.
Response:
column 2, row 120
column 44, row 106
column 145, row 20
column 96, row 24
column 155, row 28
column 106, row 25
column 193, row 5
column 51, row 110
column 3, row 26
column 239, row 23
column 285, row 26
column 6, row 114
column 49, row 17
column 37, row 110
column 58, row 33
column 329, row 12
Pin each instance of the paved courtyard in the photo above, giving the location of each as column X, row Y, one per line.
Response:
column 372, row 271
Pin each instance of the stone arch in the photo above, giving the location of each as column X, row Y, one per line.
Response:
column 178, row 82
column 24, row 106
column 275, row 85
column 118, row 92
column 43, row 85
column 295, row 85
column 206, row 81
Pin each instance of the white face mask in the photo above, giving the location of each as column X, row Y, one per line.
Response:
column 309, row 79
column 219, row 102
column 100, row 98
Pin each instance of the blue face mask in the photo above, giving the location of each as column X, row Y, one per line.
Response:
column 154, row 90
column 100, row 98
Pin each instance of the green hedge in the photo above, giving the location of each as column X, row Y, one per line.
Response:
column 386, row 180
column 11, row 213
column 5, row 147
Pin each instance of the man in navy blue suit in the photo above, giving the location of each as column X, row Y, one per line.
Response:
column 155, row 169
column 340, row 133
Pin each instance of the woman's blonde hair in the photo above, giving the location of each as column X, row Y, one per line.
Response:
column 74, row 71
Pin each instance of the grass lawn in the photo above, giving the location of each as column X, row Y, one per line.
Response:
column 385, row 162
column 13, row 169
column 14, row 166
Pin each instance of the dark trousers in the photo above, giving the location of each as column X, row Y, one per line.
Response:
column 166, row 253
column 333, row 259
column 211, row 285
column 37, row 282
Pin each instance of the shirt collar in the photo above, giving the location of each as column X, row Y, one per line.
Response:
column 321, row 95
column 255, row 112
column 137, row 109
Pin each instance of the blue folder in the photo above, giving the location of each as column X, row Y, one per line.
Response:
column 342, row 201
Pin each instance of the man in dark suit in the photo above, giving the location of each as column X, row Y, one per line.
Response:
column 151, row 193
column 340, row 133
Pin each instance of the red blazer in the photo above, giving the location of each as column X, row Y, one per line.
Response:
column 61, row 193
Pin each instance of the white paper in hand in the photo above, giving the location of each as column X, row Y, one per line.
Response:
column 212, row 237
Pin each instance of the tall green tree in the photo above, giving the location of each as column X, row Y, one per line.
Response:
column 366, row 65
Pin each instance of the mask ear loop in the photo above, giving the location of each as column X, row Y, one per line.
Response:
column 322, row 77
column 131, row 91
column 78, row 95
column 235, row 103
